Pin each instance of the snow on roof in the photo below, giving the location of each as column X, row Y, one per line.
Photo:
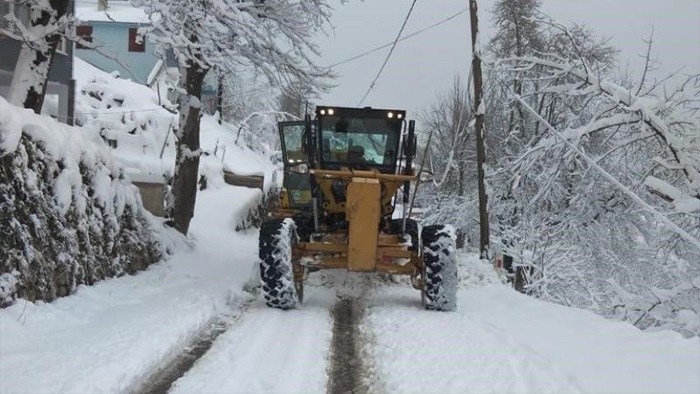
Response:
column 119, row 12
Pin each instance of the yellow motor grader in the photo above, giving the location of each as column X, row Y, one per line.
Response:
column 345, row 173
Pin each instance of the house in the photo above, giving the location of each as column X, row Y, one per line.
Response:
column 112, row 28
column 60, row 88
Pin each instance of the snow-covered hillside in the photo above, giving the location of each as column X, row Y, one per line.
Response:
column 131, row 116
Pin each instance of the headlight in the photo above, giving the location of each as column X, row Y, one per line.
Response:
column 323, row 112
column 390, row 115
column 399, row 116
column 330, row 111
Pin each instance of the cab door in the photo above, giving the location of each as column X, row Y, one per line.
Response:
column 297, row 180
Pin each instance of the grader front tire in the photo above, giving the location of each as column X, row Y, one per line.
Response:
column 277, row 238
column 440, row 279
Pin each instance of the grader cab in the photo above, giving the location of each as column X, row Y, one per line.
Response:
column 346, row 173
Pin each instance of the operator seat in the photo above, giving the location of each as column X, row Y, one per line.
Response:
column 356, row 155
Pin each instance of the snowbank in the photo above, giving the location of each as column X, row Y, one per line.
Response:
column 68, row 215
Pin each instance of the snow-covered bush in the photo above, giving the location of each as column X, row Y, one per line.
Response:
column 67, row 214
column 258, row 131
column 255, row 214
column 459, row 211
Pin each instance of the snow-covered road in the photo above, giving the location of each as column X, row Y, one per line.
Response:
column 268, row 351
column 419, row 351
column 114, row 336
column 504, row 342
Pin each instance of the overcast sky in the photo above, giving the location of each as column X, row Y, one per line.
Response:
column 425, row 65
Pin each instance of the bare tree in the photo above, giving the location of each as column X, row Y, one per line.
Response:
column 452, row 154
column 294, row 98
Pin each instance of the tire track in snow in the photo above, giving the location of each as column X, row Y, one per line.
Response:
column 162, row 380
column 346, row 364
column 268, row 350
column 348, row 372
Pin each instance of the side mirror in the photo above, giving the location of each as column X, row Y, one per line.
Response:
column 410, row 146
column 414, row 146
column 307, row 139
column 302, row 168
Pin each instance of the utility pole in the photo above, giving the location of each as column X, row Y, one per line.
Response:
column 479, row 129
column 220, row 96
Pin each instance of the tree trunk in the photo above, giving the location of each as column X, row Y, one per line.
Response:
column 480, row 148
column 460, row 177
column 220, row 97
column 188, row 151
column 31, row 74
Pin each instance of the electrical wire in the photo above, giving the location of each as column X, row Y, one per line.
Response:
column 388, row 56
column 417, row 32
column 342, row 62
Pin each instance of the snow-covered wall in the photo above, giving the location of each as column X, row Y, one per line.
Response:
column 68, row 216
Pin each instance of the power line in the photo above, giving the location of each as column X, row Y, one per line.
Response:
column 398, row 36
column 353, row 58
column 436, row 24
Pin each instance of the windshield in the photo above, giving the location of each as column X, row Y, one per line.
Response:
column 359, row 142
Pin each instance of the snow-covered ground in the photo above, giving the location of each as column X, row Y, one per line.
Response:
column 504, row 342
column 110, row 337
column 107, row 337
column 269, row 351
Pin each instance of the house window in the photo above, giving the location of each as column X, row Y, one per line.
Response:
column 13, row 8
column 5, row 7
column 62, row 46
column 85, row 33
column 137, row 43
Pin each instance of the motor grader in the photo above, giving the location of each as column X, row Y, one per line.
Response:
column 346, row 172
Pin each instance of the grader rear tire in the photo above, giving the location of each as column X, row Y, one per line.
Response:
column 440, row 279
column 277, row 238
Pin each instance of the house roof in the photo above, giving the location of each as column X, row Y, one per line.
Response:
column 118, row 11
